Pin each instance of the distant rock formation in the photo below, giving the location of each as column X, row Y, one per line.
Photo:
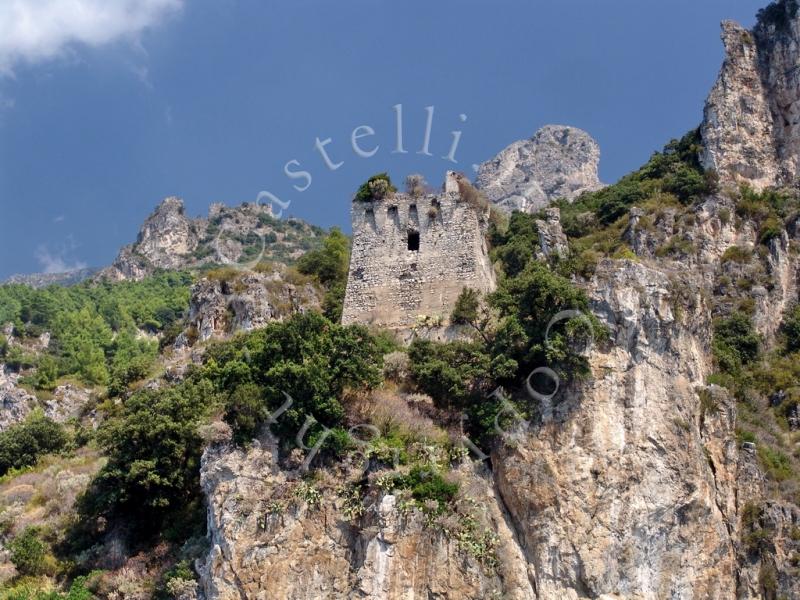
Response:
column 169, row 239
column 557, row 162
column 40, row 280
column 751, row 125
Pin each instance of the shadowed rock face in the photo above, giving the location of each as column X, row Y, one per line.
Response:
column 557, row 162
column 751, row 125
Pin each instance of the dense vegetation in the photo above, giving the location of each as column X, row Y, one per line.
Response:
column 22, row 444
column 511, row 324
column 765, row 384
column 672, row 179
column 307, row 357
column 675, row 171
column 95, row 327
column 151, row 480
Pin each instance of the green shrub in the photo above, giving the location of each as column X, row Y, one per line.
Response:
column 736, row 343
column 28, row 552
column 426, row 484
column 526, row 304
column 329, row 265
column 452, row 374
column 738, row 254
column 376, row 187
column 514, row 246
column 775, row 463
column 17, row 359
column 21, row 445
column 755, row 538
column 791, row 329
column 466, row 308
column 46, row 373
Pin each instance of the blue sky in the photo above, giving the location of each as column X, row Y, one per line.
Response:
column 102, row 117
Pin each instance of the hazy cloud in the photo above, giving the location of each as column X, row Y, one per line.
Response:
column 58, row 261
column 36, row 30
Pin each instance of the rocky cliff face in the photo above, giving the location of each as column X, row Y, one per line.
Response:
column 275, row 536
column 557, row 162
column 751, row 126
column 237, row 236
column 625, row 489
column 630, row 486
column 245, row 301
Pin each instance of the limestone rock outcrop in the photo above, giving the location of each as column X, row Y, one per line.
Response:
column 552, row 240
column 557, row 162
column 751, row 125
column 15, row 402
column 247, row 301
column 624, row 489
column 242, row 235
column 274, row 536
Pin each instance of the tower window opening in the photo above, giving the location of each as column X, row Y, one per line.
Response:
column 413, row 241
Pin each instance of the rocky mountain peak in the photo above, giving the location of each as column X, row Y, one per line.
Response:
column 169, row 239
column 751, row 125
column 167, row 234
column 557, row 162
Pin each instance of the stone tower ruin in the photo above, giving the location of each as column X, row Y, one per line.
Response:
column 412, row 256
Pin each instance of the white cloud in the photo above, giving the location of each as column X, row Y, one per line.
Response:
column 58, row 261
column 36, row 30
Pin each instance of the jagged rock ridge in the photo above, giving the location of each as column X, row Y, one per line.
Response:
column 557, row 162
column 245, row 234
column 751, row 125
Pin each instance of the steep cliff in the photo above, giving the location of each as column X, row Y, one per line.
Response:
column 751, row 126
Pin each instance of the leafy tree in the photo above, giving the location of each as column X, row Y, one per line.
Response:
column 526, row 305
column 154, row 449
column 736, row 343
column 22, row 444
column 132, row 360
column 83, row 338
column 307, row 357
column 465, row 311
column 329, row 265
column 46, row 373
column 452, row 374
column 515, row 247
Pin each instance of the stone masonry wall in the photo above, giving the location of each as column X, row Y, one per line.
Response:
column 398, row 288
